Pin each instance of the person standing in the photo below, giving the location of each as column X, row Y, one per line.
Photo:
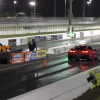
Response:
column 32, row 45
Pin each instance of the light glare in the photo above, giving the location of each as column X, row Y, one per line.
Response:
column 32, row 3
column 88, row 2
column 15, row 2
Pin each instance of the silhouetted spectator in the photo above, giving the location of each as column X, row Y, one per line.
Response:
column 32, row 45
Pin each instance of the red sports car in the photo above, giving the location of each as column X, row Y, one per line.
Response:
column 82, row 52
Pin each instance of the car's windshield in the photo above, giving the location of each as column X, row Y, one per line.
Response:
column 80, row 47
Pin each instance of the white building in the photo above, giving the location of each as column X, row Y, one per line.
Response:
column 20, row 14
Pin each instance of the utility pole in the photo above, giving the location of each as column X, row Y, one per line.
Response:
column 54, row 8
column 14, row 9
column 90, row 9
column 14, row 6
column 65, row 8
column 83, row 8
column 70, row 12
column 35, row 8
column 70, row 18
column 0, row 6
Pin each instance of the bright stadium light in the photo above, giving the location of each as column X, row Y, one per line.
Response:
column 15, row 2
column 88, row 2
column 32, row 3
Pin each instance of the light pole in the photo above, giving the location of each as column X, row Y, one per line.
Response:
column 14, row 6
column 70, row 12
column 35, row 8
column 90, row 9
column 70, row 17
column 54, row 8
column 88, row 6
column 83, row 8
column 65, row 8
column 33, row 4
column 0, row 6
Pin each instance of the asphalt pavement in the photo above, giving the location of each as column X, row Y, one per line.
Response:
column 21, row 78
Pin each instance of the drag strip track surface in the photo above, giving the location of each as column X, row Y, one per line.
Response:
column 28, row 82
column 19, row 80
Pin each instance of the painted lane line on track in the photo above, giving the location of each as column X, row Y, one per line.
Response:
column 63, row 55
column 32, row 71
column 22, row 65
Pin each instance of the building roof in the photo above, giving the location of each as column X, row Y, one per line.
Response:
column 21, row 13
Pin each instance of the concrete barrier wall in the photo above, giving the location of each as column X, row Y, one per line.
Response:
column 60, row 49
column 5, row 41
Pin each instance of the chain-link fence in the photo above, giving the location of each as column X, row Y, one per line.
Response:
column 9, row 26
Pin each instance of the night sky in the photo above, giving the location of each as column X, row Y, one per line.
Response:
column 46, row 7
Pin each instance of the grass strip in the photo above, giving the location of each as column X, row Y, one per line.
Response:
column 91, row 94
column 29, row 34
column 98, row 98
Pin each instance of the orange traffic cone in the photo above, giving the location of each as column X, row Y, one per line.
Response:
column 44, row 65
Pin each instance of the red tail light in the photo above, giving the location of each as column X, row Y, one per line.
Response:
column 85, row 51
column 71, row 51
